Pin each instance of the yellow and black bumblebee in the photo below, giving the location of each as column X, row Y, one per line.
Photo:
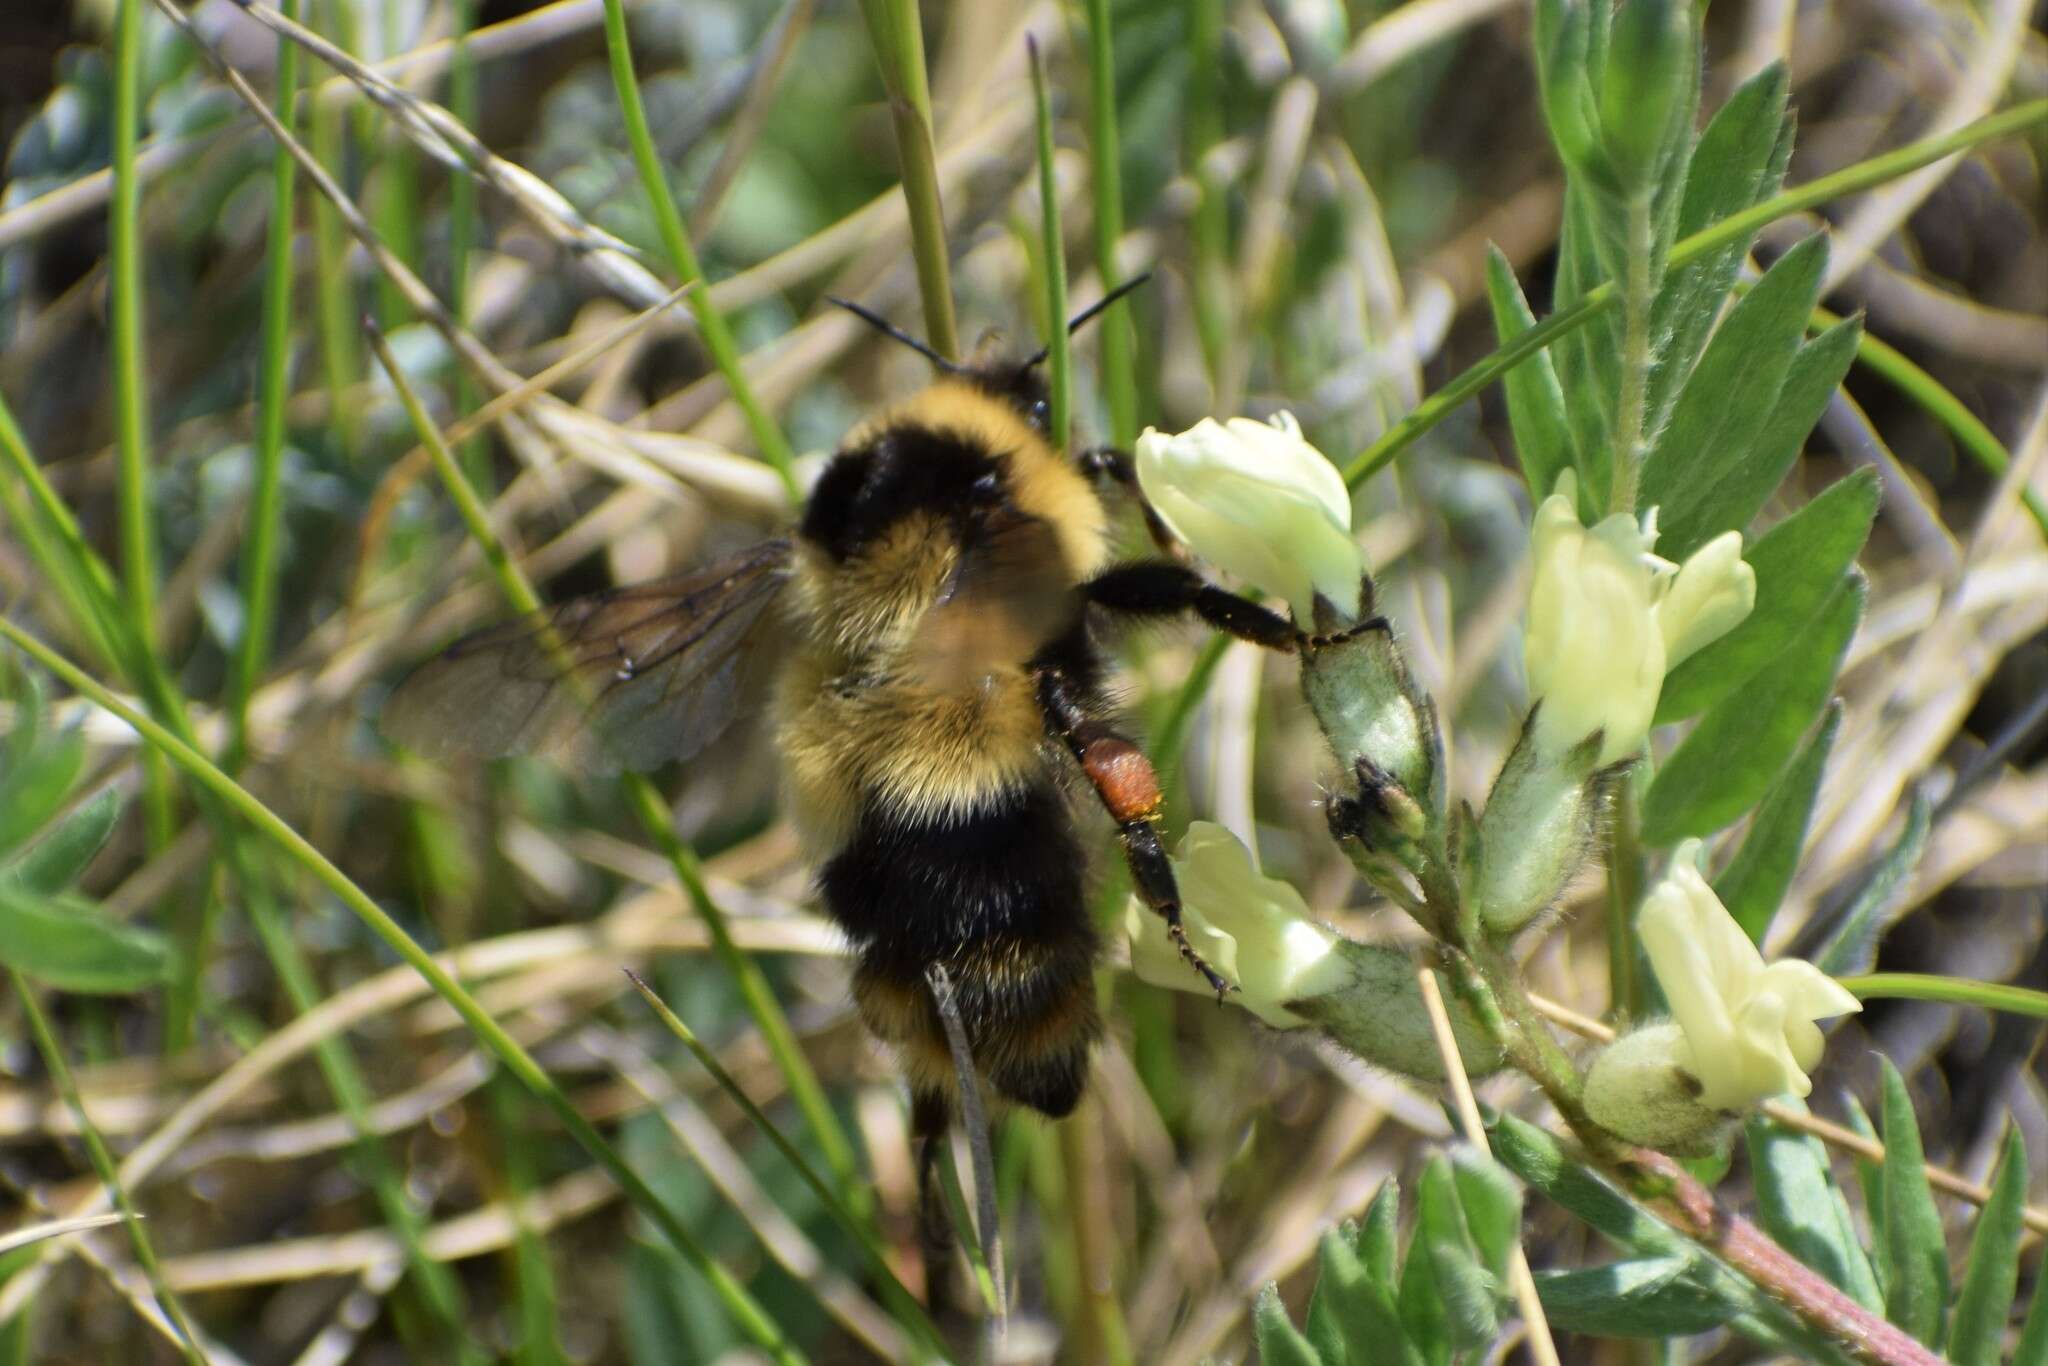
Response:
column 942, row 602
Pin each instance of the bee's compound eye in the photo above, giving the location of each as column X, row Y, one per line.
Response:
column 1041, row 413
column 986, row 489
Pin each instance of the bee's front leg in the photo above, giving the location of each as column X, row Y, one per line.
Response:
column 1108, row 462
column 1128, row 787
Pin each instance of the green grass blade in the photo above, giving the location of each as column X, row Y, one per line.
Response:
column 711, row 325
column 897, row 33
column 103, row 1162
column 1960, row 991
column 1059, row 361
column 746, row 1312
column 259, row 547
column 1119, row 377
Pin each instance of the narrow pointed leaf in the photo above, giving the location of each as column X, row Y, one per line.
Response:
column 1853, row 948
column 1914, row 1252
column 1754, row 883
column 1799, row 565
column 1738, row 749
column 1493, row 1206
column 1710, row 440
column 1280, row 1343
column 1358, row 1310
column 54, row 862
column 1815, row 373
column 1536, row 411
column 1739, row 160
column 67, row 943
column 1798, row 1205
column 2033, row 1345
column 1991, row 1276
column 1378, row 1251
column 1648, row 1298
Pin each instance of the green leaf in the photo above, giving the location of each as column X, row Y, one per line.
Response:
column 1701, row 460
column 1992, row 1274
column 2033, row 1345
column 1357, row 1311
column 54, row 862
column 1536, row 411
column 1378, row 1249
column 1737, row 750
column 1280, row 1344
column 1853, row 947
column 1539, row 1159
column 37, row 785
column 1799, row 1205
column 1869, row 1180
column 1754, row 882
column 1738, row 161
column 1810, row 383
column 1425, row 1302
column 1493, row 1206
column 1914, row 1253
column 1588, row 357
column 1651, row 1297
column 67, row 943
column 1799, row 565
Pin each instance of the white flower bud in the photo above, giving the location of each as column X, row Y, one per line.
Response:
column 1607, row 619
column 1749, row 1027
column 1258, row 502
column 1253, row 929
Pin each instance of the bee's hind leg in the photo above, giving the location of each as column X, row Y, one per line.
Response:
column 1128, row 786
column 931, row 1122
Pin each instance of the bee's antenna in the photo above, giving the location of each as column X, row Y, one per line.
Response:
column 1092, row 312
column 889, row 329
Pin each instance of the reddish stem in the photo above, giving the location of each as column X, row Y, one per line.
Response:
column 1685, row 1204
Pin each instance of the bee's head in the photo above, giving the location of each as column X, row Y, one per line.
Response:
column 1019, row 383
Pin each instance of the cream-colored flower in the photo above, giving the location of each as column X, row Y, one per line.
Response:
column 1257, row 501
column 1253, row 929
column 1607, row 619
column 1749, row 1026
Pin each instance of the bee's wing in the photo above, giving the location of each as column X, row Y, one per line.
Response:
column 631, row 678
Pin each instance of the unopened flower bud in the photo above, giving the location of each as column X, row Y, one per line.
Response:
column 1644, row 89
column 1536, row 830
column 1257, row 501
column 1640, row 1089
column 1380, row 725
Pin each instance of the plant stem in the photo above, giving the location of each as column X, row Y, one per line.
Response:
column 897, row 33
column 1119, row 378
column 259, row 547
column 711, row 324
column 1637, row 295
column 103, row 1164
column 1624, row 892
column 1059, row 365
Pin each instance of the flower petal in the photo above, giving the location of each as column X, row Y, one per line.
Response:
column 1713, row 592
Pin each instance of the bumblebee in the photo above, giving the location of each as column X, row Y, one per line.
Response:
column 942, row 604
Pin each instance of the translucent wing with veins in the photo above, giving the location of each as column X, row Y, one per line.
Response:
column 631, row 678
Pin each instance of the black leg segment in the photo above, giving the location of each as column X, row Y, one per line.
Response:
column 1155, row 588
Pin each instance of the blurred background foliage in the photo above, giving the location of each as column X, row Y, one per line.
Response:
column 1315, row 185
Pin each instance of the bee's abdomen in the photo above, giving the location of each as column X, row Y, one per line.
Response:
column 994, row 894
